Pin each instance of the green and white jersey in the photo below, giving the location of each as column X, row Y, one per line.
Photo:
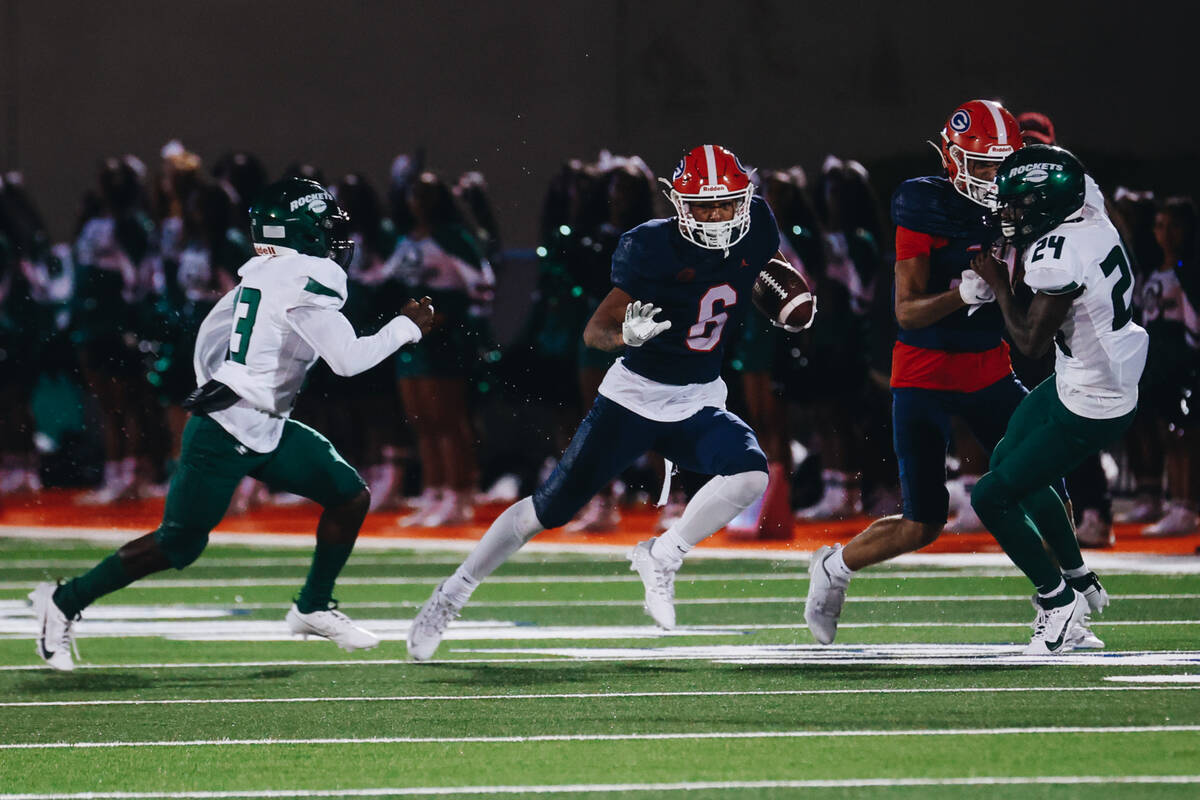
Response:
column 1099, row 350
column 262, row 338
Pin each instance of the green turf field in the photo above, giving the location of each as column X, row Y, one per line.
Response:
column 554, row 684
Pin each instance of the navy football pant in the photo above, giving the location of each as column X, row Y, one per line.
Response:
column 922, row 432
column 611, row 437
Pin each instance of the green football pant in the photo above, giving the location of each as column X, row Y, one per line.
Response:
column 1043, row 442
column 212, row 463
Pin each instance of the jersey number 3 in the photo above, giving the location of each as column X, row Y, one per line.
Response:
column 704, row 335
column 245, row 310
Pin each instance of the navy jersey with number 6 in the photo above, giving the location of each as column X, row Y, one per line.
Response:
column 704, row 293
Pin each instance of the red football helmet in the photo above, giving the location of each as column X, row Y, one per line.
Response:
column 978, row 131
column 708, row 173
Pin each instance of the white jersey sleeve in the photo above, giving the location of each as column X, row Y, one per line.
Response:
column 332, row 336
column 212, row 340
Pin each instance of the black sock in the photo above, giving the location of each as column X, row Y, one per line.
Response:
column 327, row 563
column 79, row 593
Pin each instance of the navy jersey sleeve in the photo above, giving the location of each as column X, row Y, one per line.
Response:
column 628, row 263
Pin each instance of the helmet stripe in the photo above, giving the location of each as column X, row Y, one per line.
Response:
column 998, row 120
column 711, row 157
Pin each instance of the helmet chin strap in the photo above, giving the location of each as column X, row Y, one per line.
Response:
column 938, row 150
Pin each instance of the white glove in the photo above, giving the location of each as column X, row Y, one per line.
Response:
column 639, row 326
column 975, row 291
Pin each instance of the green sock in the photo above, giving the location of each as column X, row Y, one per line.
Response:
column 327, row 563
column 1049, row 515
column 78, row 593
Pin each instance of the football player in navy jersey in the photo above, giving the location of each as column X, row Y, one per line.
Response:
column 950, row 358
column 681, row 286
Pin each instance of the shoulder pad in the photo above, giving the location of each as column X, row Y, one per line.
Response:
column 630, row 261
column 324, row 277
column 930, row 205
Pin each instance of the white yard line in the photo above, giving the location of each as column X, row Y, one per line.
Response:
column 1105, row 562
column 224, row 627
column 917, row 655
column 381, row 580
column 217, row 583
column 1183, row 686
column 616, row 737
column 20, row 607
column 581, row 788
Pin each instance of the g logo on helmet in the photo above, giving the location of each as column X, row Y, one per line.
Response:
column 317, row 206
column 960, row 120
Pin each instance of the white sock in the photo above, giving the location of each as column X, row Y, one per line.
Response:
column 1078, row 572
column 835, row 565
column 670, row 547
column 717, row 502
column 459, row 586
column 516, row 526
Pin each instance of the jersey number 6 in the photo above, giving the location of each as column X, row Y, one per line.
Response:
column 704, row 335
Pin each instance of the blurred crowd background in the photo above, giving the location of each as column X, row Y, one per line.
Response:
column 97, row 329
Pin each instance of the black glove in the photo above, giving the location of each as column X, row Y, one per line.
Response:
column 212, row 396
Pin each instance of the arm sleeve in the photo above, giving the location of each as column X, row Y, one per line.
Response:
column 212, row 340
column 332, row 336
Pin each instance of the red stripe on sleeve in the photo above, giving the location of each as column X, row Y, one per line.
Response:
column 910, row 243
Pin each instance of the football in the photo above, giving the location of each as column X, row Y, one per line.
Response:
column 781, row 293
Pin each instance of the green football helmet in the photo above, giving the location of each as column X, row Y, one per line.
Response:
column 301, row 215
column 1038, row 188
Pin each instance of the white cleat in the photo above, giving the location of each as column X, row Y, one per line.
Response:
column 1179, row 520
column 826, row 595
column 659, row 580
column 333, row 625
column 1053, row 626
column 429, row 626
column 55, row 642
column 1094, row 531
column 837, row 503
column 1081, row 636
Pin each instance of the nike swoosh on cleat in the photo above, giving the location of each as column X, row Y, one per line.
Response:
column 46, row 654
column 1057, row 643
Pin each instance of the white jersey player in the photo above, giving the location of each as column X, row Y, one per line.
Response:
column 1083, row 289
column 253, row 351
